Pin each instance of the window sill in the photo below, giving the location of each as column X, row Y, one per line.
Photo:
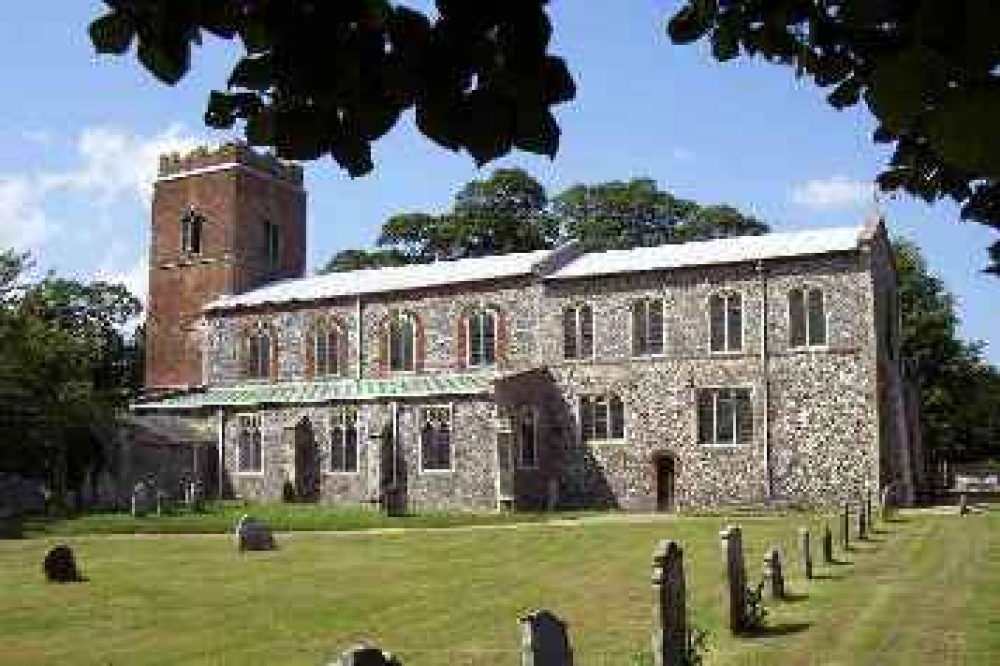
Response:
column 807, row 349
column 601, row 442
column 250, row 473
column 437, row 471
column 716, row 446
column 734, row 353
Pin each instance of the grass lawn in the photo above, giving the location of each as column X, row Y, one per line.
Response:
column 925, row 590
column 221, row 517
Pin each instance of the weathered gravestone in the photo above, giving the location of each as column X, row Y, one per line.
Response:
column 859, row 523
column 736, row 578
column 544, row 640
column 194, row 495
column 60, row 566
column 845, row 528
column 366, row 655
column 141, row 501
column 253, row 534
column 963, row 504
column 670, row 633
column 886, row 503
column 805, row 553
column 827, row 545
column 774, row 575
column 162, row 502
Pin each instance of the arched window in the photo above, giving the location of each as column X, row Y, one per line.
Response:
column 401, row 334
column 344, row 440
column 578, row 332
column 191, row 228
column 726, row 322
column 435, row 439
column 258, row 353
column 647, row 327
column 806, row 318
column 250, row 455
column 481, row 333
column 327, row 347
column 602, row 417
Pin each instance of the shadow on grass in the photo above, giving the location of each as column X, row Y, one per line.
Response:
column 783, row 629
column 828, row 576
column 841, row 563
column 793, row 598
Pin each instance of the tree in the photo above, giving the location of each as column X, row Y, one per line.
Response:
column 959, row 391
column 322, row 78
column 511, row 212
column 65, row 368
column 926, row 69
column 618, row 215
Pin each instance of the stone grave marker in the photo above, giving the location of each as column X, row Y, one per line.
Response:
column 60, row 566
column 670, row 633
column 845, row 527
column 140, row 500
column 963, row 504
column 805, row 553
column 827, row 545
column 774, row 576
column 253, row 534
column 736, row 578
column 366, row 655
column 544, row 640
column 886, row 503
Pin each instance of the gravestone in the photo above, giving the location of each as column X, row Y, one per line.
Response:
column 774, row 576
column 886, row 503
column 805, row 553
column 963, row 504
column 827, row 545
column 736, row 578
column 544, row 640
column 845, row 528
column 253, row 534
column 60, row 566
column 366, row 655
column 141, row 500
column 669, row 606
column 162, row 500
column 859, row 523
column 194, row 495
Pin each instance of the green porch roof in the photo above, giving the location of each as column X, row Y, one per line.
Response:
column 409, row 386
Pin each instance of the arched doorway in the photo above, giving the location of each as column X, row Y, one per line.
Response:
column 665, row 481
column 307, row 472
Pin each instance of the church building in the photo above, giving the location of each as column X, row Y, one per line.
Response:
column 760, row 370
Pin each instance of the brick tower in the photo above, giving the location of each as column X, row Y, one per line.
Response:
column 224, row 221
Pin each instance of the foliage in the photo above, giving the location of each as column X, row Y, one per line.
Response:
column 926, row 69
column 320, row 78
column 65, row 366
column 959, row 390
column 511, row 212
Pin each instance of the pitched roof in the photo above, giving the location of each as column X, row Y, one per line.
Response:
column 720, row 251
column 408, row 386
column 395, row 278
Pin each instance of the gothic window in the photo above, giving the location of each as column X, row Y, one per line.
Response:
column 578, row 332
column 601, row 418
column 527, row 438
column 250, row 458
column 258, row 353
column 806, row 318
column 344, row 440
column 725, row 416
column 191, row 228
column 435, row 439
column 272, row 240
column 401, row 334
column 327, row 344
column 481, row 336
column 726, row 322
column 647, row 327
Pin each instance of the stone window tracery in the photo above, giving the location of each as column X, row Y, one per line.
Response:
column 327, row 347
column 725, row 416
column 602, row 418
column 344, row 440
column 258, row 353
column 249, row 453
column 578, row 332
column 806, row 318
column 726, row 322
column 647, row 327
column 435, row 439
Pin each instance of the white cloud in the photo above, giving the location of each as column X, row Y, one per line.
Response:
column 23, row 223
column 115, row 163
column 834, row 193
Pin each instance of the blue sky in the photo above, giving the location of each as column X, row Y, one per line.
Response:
column 80, row 134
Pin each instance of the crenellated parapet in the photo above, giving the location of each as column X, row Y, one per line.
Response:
column 233, row 152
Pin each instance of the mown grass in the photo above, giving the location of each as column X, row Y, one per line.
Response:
column 925, row 590
column 220, row 517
